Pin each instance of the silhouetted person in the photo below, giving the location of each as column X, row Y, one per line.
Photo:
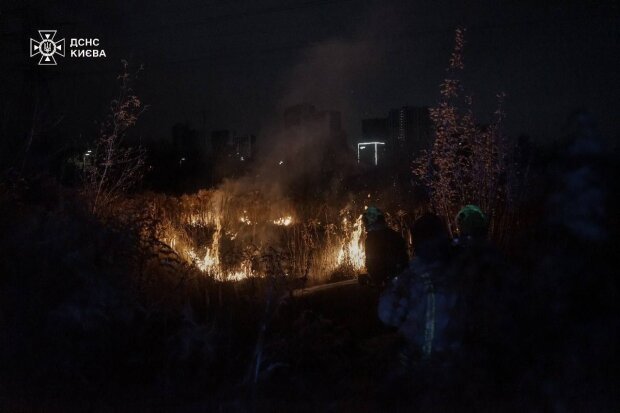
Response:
column 386, row 252
column 488, row 311
column 420, row 300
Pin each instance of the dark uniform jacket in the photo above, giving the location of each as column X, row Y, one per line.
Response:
column 386, row 254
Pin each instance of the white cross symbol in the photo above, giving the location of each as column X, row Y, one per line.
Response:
column 47, row 47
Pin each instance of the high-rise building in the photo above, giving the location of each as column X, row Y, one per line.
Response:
column 188, row 143
column 221, row 143
column 232, row 154
column 405, row 132
column 244, row 146
column 409, row 130
column 226, row 144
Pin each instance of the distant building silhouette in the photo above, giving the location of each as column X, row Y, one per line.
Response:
column 409, row 130
column 405, row 131
column 245, row 147
column 188, row 143
column 226, row 144
column 231, row 154
column 221, row 143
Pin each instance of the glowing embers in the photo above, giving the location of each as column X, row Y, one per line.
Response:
column 244, row 218
column 284, row 221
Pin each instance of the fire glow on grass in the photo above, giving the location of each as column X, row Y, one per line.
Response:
column 284, row 221
column 229, row 242
column 243, row 218
column 352, row 249
column 209, row 261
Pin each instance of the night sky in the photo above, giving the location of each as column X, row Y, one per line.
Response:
column 236, row 64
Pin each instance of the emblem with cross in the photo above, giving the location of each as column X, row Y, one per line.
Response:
column 47, row 47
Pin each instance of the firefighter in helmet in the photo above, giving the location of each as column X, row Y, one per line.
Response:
column 472, row 225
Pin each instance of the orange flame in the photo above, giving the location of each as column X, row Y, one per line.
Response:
column 342, row 248
column 352, row 250
column 284, row 221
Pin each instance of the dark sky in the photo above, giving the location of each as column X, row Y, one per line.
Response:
column 235, row 64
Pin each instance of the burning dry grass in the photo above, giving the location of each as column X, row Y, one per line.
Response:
column 231, row 237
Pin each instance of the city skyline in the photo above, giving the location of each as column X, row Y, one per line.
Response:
column 235, row 67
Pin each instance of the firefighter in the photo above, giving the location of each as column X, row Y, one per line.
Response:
column 420, row 301
column 386, row 252
column 436, row 299
column 488, row 295
column 472, row 225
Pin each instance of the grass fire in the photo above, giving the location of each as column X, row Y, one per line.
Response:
column 226, row 239
column 309, row 206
